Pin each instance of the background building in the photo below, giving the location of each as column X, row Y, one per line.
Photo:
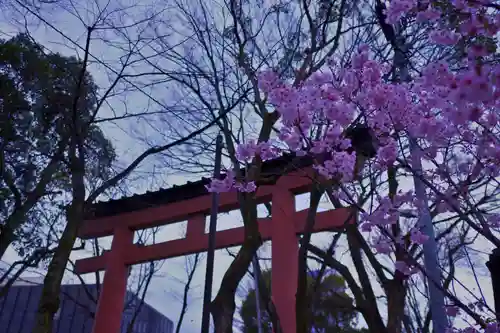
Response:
column 75, row 315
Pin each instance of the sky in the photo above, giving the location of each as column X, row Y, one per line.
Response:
column 165, row 291
column 166, row 288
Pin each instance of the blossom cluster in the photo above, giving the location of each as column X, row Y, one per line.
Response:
column 443, row 108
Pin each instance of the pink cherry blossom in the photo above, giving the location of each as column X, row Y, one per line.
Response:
column 452, row 113
column 417, row 237
column 224, row 185
column 382, row 245
column 340, row 166
column 430, row 14
column 398, row 8
column 246, row 187
column 387, row 154
column 246, row 152
column 492, row 328
column 444, row 37
column 404, row 268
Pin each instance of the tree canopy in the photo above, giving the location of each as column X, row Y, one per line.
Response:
column 38, row 100
column 332, row 309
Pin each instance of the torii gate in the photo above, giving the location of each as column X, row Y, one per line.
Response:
column 192, row 202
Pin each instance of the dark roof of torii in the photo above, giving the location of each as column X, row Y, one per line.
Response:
column 187, row 191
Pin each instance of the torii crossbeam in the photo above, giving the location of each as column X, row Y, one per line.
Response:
column 283, row 227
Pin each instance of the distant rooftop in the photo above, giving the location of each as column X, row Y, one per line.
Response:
column 24, row 281
column 29, row 281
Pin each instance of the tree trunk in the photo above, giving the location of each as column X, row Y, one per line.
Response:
column 6, row 238
column 396, row 294
column 372, row 316
column 303, row 297
column 223, row 306
column 49, row 301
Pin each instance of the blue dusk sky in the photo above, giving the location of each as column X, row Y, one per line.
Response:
column 64, row 32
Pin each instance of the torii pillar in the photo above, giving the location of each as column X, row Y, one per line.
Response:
column 114, row 286
column 282, row 229
column 284, row 256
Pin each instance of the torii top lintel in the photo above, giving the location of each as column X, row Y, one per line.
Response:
column 103, row 216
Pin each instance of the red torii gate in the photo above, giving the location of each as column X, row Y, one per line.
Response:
column 282, row 228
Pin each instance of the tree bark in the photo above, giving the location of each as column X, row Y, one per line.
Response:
column 303, row 299
column 223, row 306
column 49, row 301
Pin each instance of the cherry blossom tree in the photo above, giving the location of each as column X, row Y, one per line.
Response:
column 358, row 121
